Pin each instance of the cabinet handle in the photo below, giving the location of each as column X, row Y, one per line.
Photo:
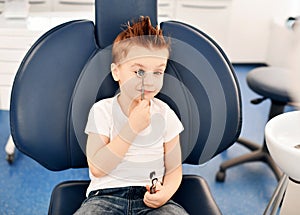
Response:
column 204, row 7
column 164, row 15
column 75, row 3
column 163, row 5
column 37, row 2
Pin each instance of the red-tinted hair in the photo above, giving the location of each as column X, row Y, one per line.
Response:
column 140, row 33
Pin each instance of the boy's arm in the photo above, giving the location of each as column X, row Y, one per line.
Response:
column 94, row 143
column 104, row 155
column 172, row 178
column 173, row 165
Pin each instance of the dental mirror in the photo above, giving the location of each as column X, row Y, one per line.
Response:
column 141, row 73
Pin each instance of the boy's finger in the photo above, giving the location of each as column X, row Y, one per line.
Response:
column 158, row 186
column 144, row 103
column 148, row 188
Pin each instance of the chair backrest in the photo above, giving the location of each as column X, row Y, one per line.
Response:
column 42, row 94
column 111, row 16
column 68, row 69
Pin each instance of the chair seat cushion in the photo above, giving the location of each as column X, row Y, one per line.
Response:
column 67, row 197
column 192, row 194
column 270, row 82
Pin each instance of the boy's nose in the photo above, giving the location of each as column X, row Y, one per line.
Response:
column 148, row 79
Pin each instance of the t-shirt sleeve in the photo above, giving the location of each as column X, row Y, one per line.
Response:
column 173, row 125
column 98, row 120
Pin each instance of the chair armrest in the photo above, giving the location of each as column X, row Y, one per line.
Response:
column 67, row 197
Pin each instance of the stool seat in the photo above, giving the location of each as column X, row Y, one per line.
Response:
column 270, row 82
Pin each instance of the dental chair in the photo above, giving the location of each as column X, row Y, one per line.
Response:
column 68, row 69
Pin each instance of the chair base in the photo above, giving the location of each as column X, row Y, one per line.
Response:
column 10, row 150
column 259, row 153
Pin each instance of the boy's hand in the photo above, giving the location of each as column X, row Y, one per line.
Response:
column 157, row 199
column 139, row 118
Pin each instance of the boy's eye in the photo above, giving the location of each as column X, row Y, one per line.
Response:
column 140, row 73
column 157, row 73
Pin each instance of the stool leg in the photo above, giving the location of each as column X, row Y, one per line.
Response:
column 277, row 172
column 277, row 195
column 276, row 108
column 259, row 152
column 249, row 144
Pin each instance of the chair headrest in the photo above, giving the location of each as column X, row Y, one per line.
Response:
column 112, row 14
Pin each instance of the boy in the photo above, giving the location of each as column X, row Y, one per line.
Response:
column 133, row 148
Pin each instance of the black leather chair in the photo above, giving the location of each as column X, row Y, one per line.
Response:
column 68, row 69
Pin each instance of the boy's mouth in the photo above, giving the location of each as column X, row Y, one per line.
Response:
column 147, row 91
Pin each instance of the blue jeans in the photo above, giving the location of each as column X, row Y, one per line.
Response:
column 125, row 200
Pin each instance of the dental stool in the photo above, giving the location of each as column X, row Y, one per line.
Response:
column 270, row 83
column 68, row 69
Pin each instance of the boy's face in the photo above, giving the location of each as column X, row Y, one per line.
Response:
column 152, row 62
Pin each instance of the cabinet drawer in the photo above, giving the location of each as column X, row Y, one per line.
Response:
column 1, row 5
column 204, row 4
column 9, row 55
column 9, row 67
column 165, row 9
column 13, row 42
column 6, row 79
column 5, row 97
column 212, row 17
column 21, row 31
column 40, row 5
column 74, row 5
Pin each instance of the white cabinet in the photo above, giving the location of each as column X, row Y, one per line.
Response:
column 14, row 44
column 249, row 30
column 241, row 27
column 281, row 44
column 16, row 38
column 211, row 17
column 166, row 10
column 40, row 5
column 1, row 5
column 73, row 5
column 34, row 5
column 57, row 5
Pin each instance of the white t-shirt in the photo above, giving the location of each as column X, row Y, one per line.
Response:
column 145, row 154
